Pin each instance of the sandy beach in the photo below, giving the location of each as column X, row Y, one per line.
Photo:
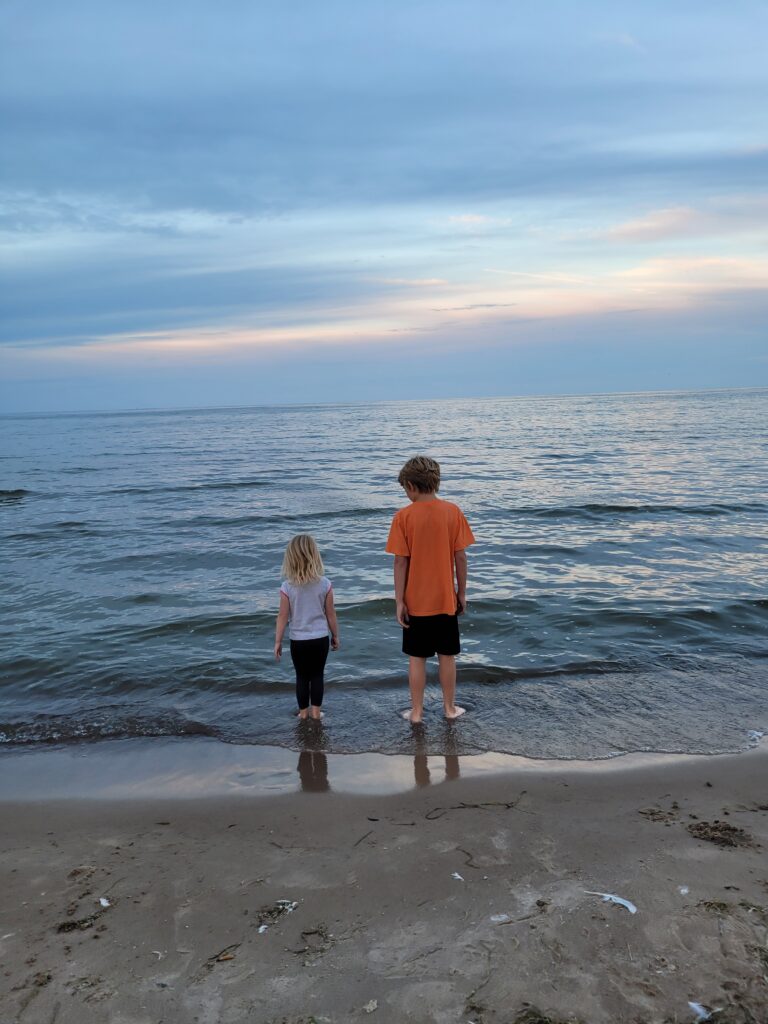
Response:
column 452, row 900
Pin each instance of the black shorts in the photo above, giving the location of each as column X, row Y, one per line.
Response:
column 431, row 634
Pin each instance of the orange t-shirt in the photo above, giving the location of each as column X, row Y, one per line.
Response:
column 429, row 533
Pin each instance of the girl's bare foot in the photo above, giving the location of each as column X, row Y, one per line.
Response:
column 302, row 714
column 454, row 712
column 317, row 714
column 411, row 716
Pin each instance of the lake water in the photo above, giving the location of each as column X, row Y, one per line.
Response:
column 618, row 592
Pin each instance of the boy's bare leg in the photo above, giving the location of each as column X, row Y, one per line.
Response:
column 447, row 675
column 417, row 681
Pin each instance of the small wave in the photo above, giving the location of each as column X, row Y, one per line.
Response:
column 283, row 517
column 489, row 616
column 218, row 485
column 14, row 495
column 100, row 724
column 596, row 509
column 205, row 625
column 542, row 550
column 53, row 530
column 562, row 457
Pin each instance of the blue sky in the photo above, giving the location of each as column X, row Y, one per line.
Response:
column 271, row 202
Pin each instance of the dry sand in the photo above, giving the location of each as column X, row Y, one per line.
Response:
column 395, row 902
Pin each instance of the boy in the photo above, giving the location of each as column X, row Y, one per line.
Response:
column 428, row 539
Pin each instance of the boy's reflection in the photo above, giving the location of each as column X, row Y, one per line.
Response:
column 422, row 775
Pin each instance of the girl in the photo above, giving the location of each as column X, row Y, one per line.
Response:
column 306, row 601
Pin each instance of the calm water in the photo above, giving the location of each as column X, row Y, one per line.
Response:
column 618, row 590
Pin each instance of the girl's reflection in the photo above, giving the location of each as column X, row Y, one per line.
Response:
column 313, row 763
column 313, row 771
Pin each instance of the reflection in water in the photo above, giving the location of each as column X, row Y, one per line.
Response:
column 313, row 763
column 313, row 771
column 421, row 771
column 422, row 774
column 312, row 742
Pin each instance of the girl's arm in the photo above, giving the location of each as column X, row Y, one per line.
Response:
column 282, row 622
column 333, row 622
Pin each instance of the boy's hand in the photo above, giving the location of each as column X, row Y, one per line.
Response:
column 278, row 650
column 461, row 604
column 334, row 643
column 402, row 614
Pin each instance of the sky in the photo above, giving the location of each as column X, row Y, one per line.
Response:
column 268, row 202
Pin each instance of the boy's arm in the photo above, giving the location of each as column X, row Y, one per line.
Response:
column 402, row 563
column 460, row 560
column 333, row 622
column 282, row 622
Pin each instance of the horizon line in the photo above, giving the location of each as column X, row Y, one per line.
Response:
column 139, row 410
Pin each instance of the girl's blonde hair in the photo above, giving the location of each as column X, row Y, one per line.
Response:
column 302, row 563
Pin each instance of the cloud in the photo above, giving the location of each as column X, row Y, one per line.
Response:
column 725, row 215
column 262, row 111
column 418, row 282
column 358, row 319
column 474, row 305
column 657, row 224
column 687, row 276
column 190, row 182
column 623, row 39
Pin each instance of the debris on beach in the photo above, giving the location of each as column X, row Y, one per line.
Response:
column 500, row 918
column 702, row 1013
column 104, row 902
column 269, row 915
column 532, row 1015
column 659, row 814
column 720, row 833
column 683, row 890
column 715, row 906
column 80, row 924
column 317, row 942
column 457, row 876
column 228, row 953
column 608, row 897
column 371, row 1006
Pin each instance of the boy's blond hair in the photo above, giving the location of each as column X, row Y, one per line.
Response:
column 422, row 473
column 302, row 563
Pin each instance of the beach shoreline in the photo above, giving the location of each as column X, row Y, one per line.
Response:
column 204, row 767
column 445, row 899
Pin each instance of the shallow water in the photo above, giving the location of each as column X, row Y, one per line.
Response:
column 618, row 590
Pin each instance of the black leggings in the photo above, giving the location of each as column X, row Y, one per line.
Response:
column 309, row 658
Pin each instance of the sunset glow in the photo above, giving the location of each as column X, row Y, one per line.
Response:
column 209, row 223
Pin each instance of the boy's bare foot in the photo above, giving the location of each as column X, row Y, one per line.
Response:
column 411, row 716
column 454, row 712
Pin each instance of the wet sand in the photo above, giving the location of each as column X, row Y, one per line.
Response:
column 450, row 900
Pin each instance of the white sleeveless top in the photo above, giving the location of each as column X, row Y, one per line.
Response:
column 307, row 619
